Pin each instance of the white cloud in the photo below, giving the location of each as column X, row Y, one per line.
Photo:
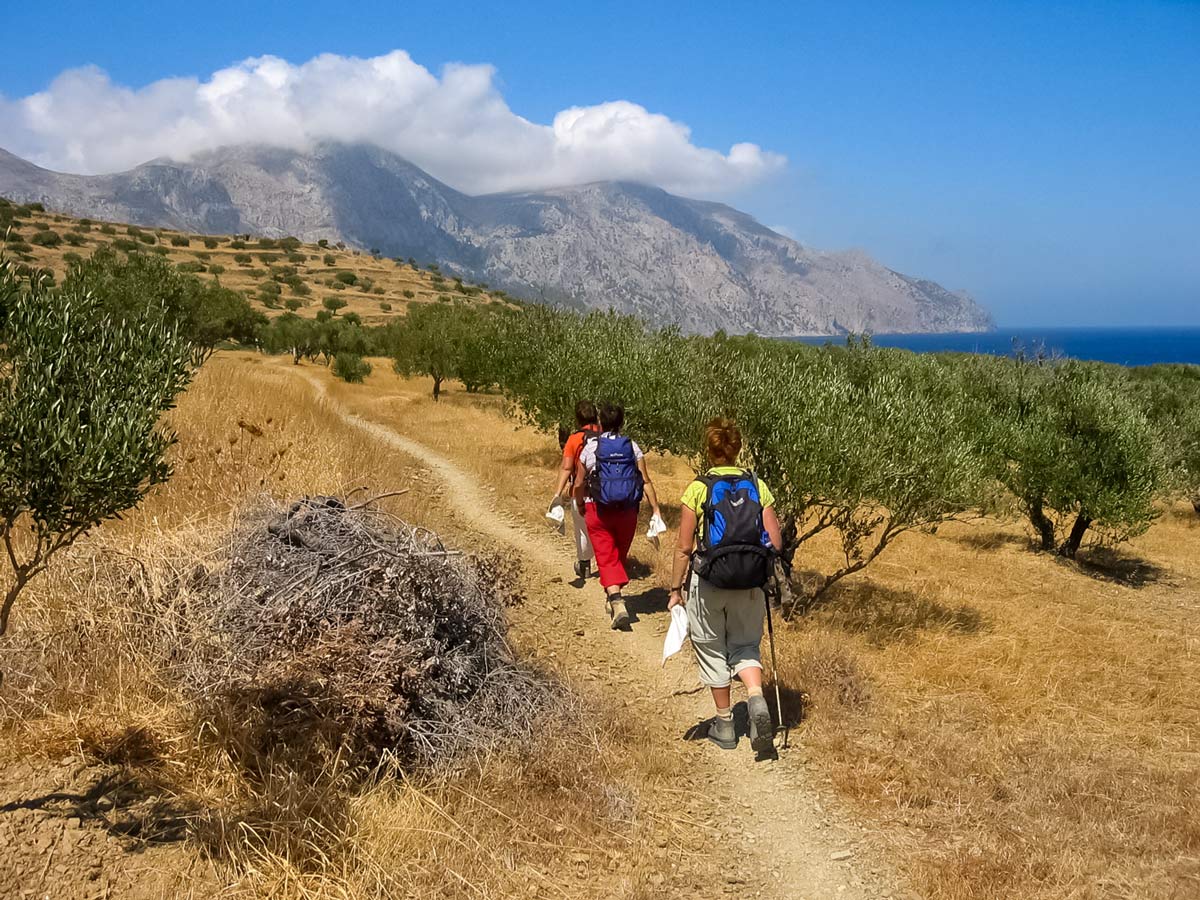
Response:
column 457, row 127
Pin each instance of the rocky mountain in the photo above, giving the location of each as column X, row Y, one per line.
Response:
column 610, row 245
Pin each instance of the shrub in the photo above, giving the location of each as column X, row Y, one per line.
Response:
column 82, row 227
column 237, row 245
column 268, row 258
column 147, row 238
column 385, row 306
column 333, row 304
column 337, row 285
column 82, row 398
column 216, row 269
column 267, row 243
column 190, row 267
column 289, row 244
column 257, row 273
column 74, row 239
column 202, row 255
column 46, row 239
column 242, row 259
column 203, row 311
column 292, row 303
column 72, row 258
column 323, row 243
column 330, row 259
column 408, row 295
column 126, row 245
column 296, row 258
column 291, row 334
column 17, row 246
column 270, row 287
column 211, row 243
column 180, row 240
column 365, row 285
column 107, row 229
column 346, row 277
column 160, row 250
column 351, row 367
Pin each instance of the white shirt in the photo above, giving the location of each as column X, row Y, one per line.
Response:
column 588, row 456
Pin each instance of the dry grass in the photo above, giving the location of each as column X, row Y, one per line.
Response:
column 1013, row 726
column 90, row 657
column 1016, row 726
column 1024, row 727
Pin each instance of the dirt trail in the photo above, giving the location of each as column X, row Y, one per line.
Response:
column 782, row 836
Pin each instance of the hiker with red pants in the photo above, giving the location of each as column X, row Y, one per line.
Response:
column 610, row 480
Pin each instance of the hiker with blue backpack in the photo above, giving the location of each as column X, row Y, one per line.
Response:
column 728, row 536
column 610, row 480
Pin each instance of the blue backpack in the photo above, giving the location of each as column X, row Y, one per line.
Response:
column 734, row 549
column 616, row 480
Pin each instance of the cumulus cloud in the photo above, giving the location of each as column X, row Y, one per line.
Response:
column 457, row 126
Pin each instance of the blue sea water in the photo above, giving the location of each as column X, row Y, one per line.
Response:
column 1124, row 346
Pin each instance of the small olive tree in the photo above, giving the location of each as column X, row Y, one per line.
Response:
column 82, row 391
column 1076, row 452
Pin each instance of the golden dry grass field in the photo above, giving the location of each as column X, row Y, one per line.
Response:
column 985, row 721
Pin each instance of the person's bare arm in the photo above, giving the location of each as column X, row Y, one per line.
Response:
column 683, row 555
column 580, row 485
column 564, row 476
column 771, row 523
column 651, row 494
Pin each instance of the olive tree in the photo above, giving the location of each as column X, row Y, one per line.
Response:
column 427, row 341
column 1076, row 452
column 83, row 387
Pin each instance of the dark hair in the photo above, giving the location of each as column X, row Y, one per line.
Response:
column 585, row 413
column 612, row 416
column 563, row 434
column 723, row 441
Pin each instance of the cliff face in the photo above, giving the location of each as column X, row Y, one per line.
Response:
column 607, row 245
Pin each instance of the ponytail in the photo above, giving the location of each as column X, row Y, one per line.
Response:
column 722, row 441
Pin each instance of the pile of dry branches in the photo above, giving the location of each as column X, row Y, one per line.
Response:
column 340, row 628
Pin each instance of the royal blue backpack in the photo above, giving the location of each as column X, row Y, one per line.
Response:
column 734, row 549
column 616, row 480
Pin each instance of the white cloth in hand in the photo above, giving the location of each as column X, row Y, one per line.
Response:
column 557, row 515
column 676, row 634
column 657, row 527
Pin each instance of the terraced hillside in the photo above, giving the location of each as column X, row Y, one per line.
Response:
column 276, row 275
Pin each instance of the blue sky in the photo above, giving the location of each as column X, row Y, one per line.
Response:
column 1043, row 156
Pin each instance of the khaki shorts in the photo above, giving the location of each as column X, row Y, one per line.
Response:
column 726, row 629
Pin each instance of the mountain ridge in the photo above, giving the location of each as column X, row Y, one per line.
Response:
column 635, row 248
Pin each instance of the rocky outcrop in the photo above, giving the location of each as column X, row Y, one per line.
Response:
column 608, row 245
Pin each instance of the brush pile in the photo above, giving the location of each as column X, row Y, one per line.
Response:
column 342, row 629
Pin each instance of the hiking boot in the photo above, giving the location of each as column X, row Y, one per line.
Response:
column 722, row 733
column 762, row 732
column 617, row 611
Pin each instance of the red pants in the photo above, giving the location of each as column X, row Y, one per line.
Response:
column 611, row 530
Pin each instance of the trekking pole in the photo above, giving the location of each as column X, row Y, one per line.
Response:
column 775, row 665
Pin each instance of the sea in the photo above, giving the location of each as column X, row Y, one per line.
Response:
column 1123, row 346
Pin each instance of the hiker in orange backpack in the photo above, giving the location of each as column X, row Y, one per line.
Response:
column 587, row 427
column 610, row 480
column 728, row 535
